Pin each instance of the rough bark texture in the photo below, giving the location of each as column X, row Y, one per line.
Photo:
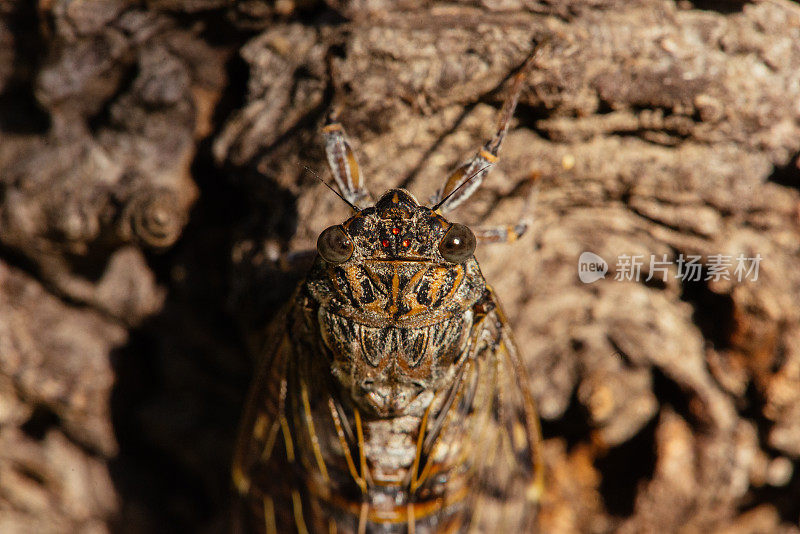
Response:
column 154, row 211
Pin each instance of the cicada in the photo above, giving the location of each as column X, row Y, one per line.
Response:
column 392, row 398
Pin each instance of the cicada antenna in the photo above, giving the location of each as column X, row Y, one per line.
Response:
column 454, row 191
column 335, row 192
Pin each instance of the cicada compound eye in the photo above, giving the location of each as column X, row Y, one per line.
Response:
column 458, row 244
column 334, row 245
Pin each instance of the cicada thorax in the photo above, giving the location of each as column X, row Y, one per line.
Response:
column 391, row 371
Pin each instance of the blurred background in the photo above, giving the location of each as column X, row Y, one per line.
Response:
column 154, row 216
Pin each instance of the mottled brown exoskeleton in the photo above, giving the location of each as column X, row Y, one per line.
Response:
column 392, row 398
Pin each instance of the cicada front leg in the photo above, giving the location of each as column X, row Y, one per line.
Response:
column 502, row 233
column 342, row 162
column 465, row 180
column 507, row 233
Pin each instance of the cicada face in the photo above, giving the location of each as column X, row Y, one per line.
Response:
column 395, row 285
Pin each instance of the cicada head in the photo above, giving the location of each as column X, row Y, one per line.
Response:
column 396, row 264
column 395, row 284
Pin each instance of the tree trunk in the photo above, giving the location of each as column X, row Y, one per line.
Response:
column 155, row 214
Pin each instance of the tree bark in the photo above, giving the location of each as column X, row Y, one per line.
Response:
column 155, row 214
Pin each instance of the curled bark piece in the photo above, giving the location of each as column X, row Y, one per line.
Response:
column 153, row 218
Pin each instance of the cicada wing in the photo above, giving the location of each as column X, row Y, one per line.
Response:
column 264, row 449
column 510, row 471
